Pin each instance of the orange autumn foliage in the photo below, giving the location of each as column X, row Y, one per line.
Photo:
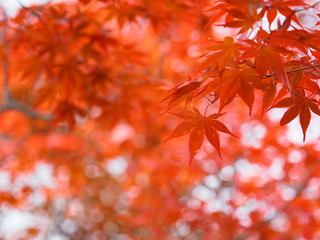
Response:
column 98, row 97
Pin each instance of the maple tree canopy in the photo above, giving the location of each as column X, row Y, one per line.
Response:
column 171, row 119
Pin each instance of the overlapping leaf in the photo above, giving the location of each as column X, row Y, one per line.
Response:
column 235, row 82
column 221, row 54
column 270, row 59
column 243, row 21
column 181, row 93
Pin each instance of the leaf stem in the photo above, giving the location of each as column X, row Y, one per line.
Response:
column 205, row 111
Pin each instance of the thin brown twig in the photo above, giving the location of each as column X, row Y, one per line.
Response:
column 312, row 6
column 295, row 70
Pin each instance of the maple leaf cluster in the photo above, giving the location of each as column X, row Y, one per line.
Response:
column 280, row 63
column 96, row 96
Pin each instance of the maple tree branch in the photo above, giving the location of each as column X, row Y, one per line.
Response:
column 12, row 104
column 294, row 11
column 312, row 6
column 295, row 70
column 315, row 4
column 5, row 60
